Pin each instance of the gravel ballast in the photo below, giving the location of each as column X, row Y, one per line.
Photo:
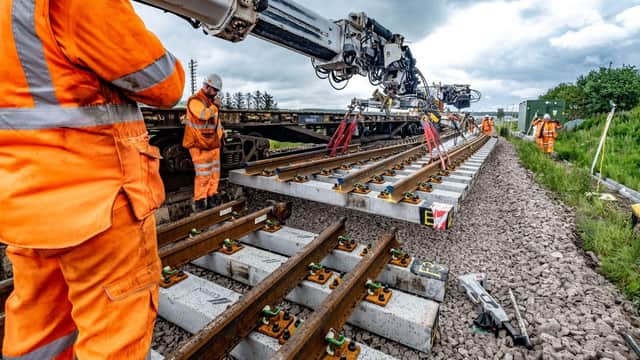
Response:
column 511, row 229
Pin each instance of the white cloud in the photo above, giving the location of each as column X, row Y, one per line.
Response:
column 626, row 25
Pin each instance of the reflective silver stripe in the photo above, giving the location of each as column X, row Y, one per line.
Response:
column 201, row 166
column 49, row 351
column 203, row 114
column 203, row 173
column 31, row 52
column 51, row 117
column 151, row 75
column 197, row 126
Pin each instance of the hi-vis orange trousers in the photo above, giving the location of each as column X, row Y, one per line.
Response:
column 206, row 164
column 97, row 300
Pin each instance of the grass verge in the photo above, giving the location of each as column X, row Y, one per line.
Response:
column 604, row 227
column 277, row 145
column 622, row 149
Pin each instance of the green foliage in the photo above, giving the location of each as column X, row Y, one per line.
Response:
column 572, row 94
column 621, row 85
column 621, row 152
column 592, row 92
column 604, row 228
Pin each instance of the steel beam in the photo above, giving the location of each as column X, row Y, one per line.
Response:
column 308, row 342
column 347, row 183
column 268, row 165
column 181, row 252
column 287, row 173
column 180, row 229
column 220, row 336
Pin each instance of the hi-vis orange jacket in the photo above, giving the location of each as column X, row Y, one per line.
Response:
column 203, row 129
column 548, row 129
column 71, row 134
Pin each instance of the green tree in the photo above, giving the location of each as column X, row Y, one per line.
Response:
column 268, row 101
column 238, row 101
column 620, row 85
column 249, row 100
column 257, row 100
column 572, row 94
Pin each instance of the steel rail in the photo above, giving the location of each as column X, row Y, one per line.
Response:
column 347, row 183
column 268, row 165
column 397, row 190
column 171, row 232
column 181, row 252
column 312, row 167
column 222, row 334
column 308, row 342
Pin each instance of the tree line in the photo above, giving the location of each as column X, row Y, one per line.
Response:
column 258, row 100
column 591, row 93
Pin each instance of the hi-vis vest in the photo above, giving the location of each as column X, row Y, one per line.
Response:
column 71, row 134
column 203, row 129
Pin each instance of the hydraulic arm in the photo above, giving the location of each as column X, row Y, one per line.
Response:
column 356, row 45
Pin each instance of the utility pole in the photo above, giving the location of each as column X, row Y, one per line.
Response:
column 193, row 67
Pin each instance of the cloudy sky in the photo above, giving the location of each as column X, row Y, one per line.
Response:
column 510, row 50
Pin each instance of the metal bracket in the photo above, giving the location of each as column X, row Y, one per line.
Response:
column 345, row 243
column 171, row 276
column 348, row 351
column 411, row 198
column 366, row 250
column 400, row 258
column 290, row 330
column 377, row 179
column 272, row 226
column 378, row 294
column 318, row 274
column 267, row 173
column 301, row 179
column 361, row 189
column 230, row 247
column 274, row 323
column 335, row 283
column 425, row 187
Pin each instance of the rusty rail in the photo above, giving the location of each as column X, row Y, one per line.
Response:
column 268, row 166
column 181, row 252
column 308, row 342
column 177, row 230
column 312, row 167
column 222, row 334
column 347, row 183
column 397, row 190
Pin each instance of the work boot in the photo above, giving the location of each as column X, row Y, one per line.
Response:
column 212, row 201
column 200, row 205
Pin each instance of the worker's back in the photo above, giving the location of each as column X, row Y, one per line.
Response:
column 71, row 134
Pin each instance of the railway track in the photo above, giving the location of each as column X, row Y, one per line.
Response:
column 303, row 268
column 403, row 181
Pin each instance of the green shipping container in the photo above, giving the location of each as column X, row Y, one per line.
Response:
column 529, row 108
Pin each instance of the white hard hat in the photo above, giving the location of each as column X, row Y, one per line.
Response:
column 486, row 116
column 215, row 81
column 547, row 117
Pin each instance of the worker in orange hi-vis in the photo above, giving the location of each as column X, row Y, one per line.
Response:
column 203, row 136
column 487, row 125
column 549, row 133
column 74, row 144
column 538, row 133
